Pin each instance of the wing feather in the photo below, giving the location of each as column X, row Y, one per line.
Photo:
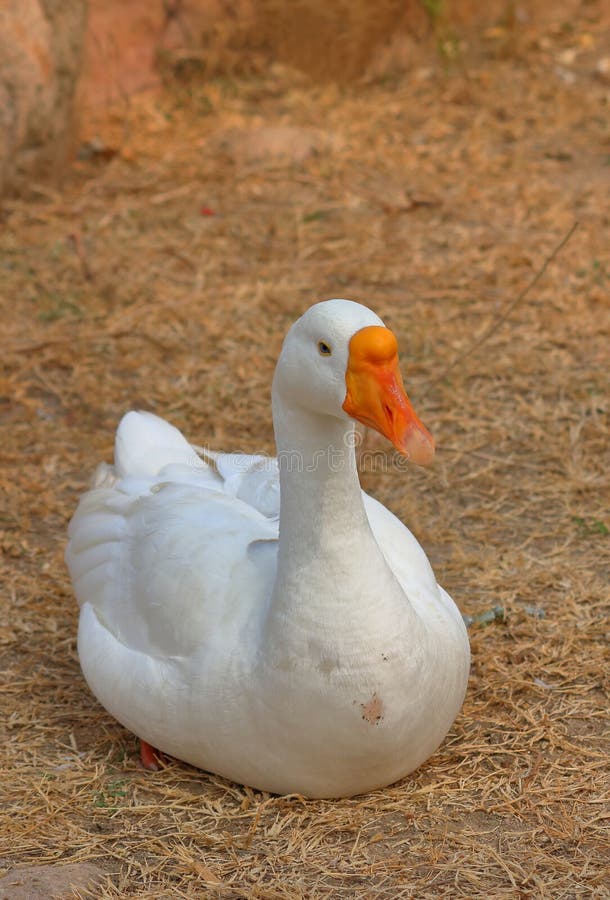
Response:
column 161, row 548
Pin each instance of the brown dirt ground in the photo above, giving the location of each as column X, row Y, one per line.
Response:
column 432, row 192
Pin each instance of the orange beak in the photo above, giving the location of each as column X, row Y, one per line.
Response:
column 376, row 395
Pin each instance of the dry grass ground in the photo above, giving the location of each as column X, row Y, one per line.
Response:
column 165, row 278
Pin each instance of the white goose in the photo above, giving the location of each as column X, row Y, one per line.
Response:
column 314, row 655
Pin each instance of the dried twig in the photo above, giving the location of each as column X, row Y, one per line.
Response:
column 497, row 323
column 76, row 240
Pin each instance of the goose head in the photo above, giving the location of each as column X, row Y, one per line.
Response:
column 340, row 360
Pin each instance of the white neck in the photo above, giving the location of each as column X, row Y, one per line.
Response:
column 318, row 480
column 325, row 543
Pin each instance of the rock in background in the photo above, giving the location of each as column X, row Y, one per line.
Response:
column 41, row 45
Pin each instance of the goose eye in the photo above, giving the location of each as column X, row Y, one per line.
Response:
column 324, row 349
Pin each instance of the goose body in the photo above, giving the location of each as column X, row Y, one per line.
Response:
column 264, row 619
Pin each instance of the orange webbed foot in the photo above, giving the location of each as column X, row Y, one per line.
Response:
column 152, row 759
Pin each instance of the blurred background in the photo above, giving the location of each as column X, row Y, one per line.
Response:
column 67, row 68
